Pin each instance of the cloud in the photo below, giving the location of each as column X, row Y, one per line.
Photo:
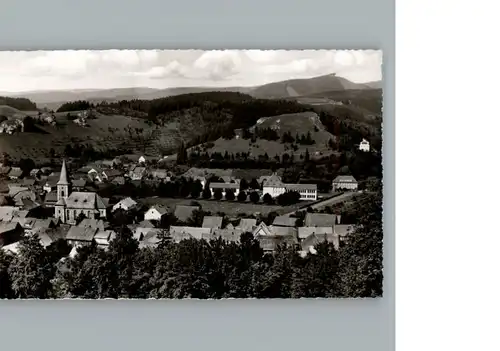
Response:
column 88, row 69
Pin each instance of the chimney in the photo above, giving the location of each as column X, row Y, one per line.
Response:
column 338, row 219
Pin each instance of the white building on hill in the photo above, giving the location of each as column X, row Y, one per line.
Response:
column 71, row 204
column 364, row 145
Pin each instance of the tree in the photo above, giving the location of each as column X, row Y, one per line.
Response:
column 361, row 258
column 196, row 189
column 254, row 197
column 207, row 193
column 268, row 199
column 26, row 165
column 5, row 282
column 254, row 184
column 243, row 184
column 218, row 194
column 242, row 196
column 31, row 270
column 307, row 156
column 230, row 194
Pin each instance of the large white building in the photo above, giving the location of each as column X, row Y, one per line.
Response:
column 344, row 182
column 275, row 187
column 71, row 204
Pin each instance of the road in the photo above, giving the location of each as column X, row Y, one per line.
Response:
column 327, row 202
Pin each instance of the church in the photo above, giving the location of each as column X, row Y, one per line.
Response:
column 71, row 204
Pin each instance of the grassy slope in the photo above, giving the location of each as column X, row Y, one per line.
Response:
column 297, row 122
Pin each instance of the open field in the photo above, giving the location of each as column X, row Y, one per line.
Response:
column 231, row 208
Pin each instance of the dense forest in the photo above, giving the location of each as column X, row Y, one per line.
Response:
column 74, row 106
column 22, row 104
column 200, row 269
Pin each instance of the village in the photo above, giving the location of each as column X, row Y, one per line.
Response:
column 56, row 204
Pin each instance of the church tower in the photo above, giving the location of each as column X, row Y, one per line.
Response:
column 63, row 184
column 62, row 194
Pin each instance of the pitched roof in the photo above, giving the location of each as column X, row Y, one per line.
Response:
column 103, row 237
column 146, row 224
column 63, row 178
column 224, row 185
column 97, row 224
column 283, row 231
column 127, row 203
column 344, row 179
column 111, row 173
column 227, row 234
column 179, row 233
column 319, row 220
column 183, row 212
column 301, row 186
column 315, row 239
column 7, row 213
column 15, row 172
column 85, row 200
column 160, row 208
column 247, row 224
column 284, row 221
column 4, row 170
column 7, row 227
column 80, row 183
column 270, row 243
column 81, row 233
column 304, row 232
column 343, row 229
column 273, row 181
column 51, row 197
column 212, row 222
column 28, row 182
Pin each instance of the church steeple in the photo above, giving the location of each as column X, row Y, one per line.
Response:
column 63, row 179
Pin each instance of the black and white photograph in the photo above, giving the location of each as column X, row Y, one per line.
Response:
column 191, row 174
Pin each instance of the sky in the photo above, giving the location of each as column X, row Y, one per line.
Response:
column 22, row 71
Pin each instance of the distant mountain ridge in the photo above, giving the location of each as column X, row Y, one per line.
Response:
column 276, row 90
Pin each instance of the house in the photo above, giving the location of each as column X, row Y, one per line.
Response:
column 183, row 212
column 50, row 199
column 141, row 233
column 10, row 233
column 137, row 173
column 11, row 126
column 118, row 180
column 71, row 204
column 78, row 184
column 95, row 174
column 263, row 230
column 151, row 239
column 15, row 173
column 212, row 222
column 224, row 187
column 307, row 246
column 344, row 182
column 12, row 249
column 29, row 182
column 229, row 234
column 284, row 221
column 247, row 224
column 364, row 145
column 110, row 174
column 139, row 159
column 51, row 183
column 155, row 213
column 103, row 237
column 92, row 223
column 142, row 229
column 126, row 204
column 106, row 163
column 179, row 233
column 7, row 213
column 36, row 172
column 160, row 174
column 320, row 220
column 305, row 232
column 4, row 170
column 274, row 186
column 78, row 236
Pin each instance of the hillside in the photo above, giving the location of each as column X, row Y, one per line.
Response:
column 11, row 112
column 296, row 123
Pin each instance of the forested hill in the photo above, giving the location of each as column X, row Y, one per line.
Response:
column 206, row 116
column 22, row 104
